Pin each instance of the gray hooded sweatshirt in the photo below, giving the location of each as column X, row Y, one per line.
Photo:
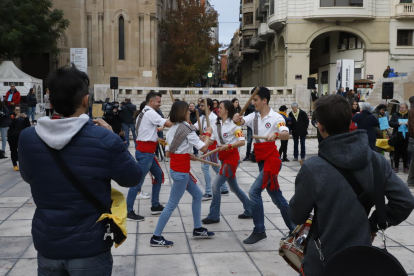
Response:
column 341, row 219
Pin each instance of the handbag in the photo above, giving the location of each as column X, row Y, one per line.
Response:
column 393, row 140
column 410, row 147
column 363, row 260
column 115, row 215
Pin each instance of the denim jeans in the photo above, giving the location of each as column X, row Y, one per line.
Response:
column 3, row 131
column 296, row 146
column 255, row 194
column 234, row 187
column 148, row 164
column 126, row 128
column 182, row 182
column 249, row 142
column 206, row 171
column 31, row 112
column 100, row 265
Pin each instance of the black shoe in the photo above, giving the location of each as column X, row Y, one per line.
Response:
column 206, row 197
column 243, row 216
column 133, row 216
column 225, row 193
column 285, row 160
column 202, row 233
column 246, row 158
column 209, row 221
column 160, row 242
column 157, row 210
column 255, row 238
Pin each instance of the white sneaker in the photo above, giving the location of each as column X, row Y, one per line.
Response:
column 143, row 195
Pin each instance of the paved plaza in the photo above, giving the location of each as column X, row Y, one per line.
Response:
column 223, row 255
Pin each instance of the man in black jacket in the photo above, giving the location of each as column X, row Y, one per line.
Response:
column 299, row 127
column 127, row 113
column 31, row 104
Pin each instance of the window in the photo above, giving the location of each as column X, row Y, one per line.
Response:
column 246, row 40
column 348, row 41
column 405, row 38
column 248, row 1
column 406, row 1
column 121, row 37
column 272, row 7
column 248, row 18
column 342, row 3
column 326, row 45
column 357, row 73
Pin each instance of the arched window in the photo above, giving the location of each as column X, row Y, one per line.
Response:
column 121, row 37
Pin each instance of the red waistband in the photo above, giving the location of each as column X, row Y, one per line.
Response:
column 268, row 153
column 180, row 162
column 213, row 146
column 146, row 146
column 230, row 160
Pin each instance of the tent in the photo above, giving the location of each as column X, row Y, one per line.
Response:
column 9, row 74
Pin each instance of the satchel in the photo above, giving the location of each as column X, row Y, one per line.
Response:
column 116, row 215
column 411, row 145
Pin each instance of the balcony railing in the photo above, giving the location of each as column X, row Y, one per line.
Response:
column 264, row 31
column 405, row 10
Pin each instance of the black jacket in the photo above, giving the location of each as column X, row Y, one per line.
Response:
column 299, row 127
column 127, row 113
column 31, row 100
column 395, row 124
column 17, row 125
column 5, row 119
column 365, row 120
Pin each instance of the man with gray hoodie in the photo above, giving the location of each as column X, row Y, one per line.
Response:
column 342, row 221
column 65, row 228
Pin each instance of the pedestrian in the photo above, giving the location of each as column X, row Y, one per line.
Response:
column 299, row 128
column 391, row 74
column 146, row 128
column 229, row 138
column 410, row 180
column 127, row 112
column 193, row 120
column 314, row 95
column 266, row 122
column 249, row 110
column 284, row 143
column 66, row 234
column 31, row 103
column 400, row 148
column 208, row 194
column 12, row 98
column 48, row 108
column 5, row 120
column 355, row 109
column 180, row 139
column 200, row 101
column 352, row 96
column 365, row 120
column 380, row 112
column 386, row 72
column 215, row 107
column 19, row 121
column 341, row 219
column 236, row 104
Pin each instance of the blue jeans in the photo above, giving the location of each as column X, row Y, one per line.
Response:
column 296, row 146
column 126, row 128
column 31, row 112
column 234, row 187
column 182, row 182
column 100, row 265
column 249, row 142
column 3, row 131
column 148, row 164
column 206, row 171
column 255, row 194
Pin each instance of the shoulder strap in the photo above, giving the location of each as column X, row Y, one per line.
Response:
column 75, row 181
column 219, row 134
column 379, row 194
column 138, row 124
column 256, row 126
column 180, row 135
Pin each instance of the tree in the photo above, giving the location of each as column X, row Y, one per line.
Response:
column 29, row 26
column 188, row 47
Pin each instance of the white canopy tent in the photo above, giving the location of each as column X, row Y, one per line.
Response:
column 9, row 74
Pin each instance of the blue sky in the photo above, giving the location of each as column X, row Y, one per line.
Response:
column 228, row 12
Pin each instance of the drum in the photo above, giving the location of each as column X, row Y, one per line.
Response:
column 291, row 248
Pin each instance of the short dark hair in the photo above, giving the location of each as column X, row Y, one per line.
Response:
column 68, row 86
column 411, row 100
column 334, row 113
column 264, row 93
column 30, row 90
column 210, row 104
column 178, row 113
column 151, row 95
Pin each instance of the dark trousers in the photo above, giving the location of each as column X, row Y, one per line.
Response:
column 283, row 148
column 400, row 151
column 13, row 141
column 296, row 146
column 160, row 134
column 49, row 112
column 249, row 142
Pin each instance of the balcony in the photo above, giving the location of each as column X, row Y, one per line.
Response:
column 256, row 42
column 264, row 31
column 404, row 11
column 264, row 6
column 314, row 11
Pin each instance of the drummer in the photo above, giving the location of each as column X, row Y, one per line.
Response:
column 266, row 122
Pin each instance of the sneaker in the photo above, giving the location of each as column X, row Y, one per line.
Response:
column 209, row 221
column 157, row 210
column 396, row 170
column 133, row 216
column 15, row 168
column 206, row 197
column 303, row 159
column 143, row 195
column 243, row 216
column 160, row 242
column 225, row 193
column 285, row 160
column 202, row 233
column 246, row 158
column 255, row 238
column 295, row 159
column 405, row 170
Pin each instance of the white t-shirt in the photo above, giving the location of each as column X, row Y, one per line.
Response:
column 187, row 145
column 149, row 123
column 271, row 123
column 230, row 132
column 213, row 120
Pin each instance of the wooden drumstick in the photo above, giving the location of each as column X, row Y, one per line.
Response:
column 249, row 101
column 198, row 121
column 207, row 112
column 209, row 153
column 208, row 162
column 172, row 97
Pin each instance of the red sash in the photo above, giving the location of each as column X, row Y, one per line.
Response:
column 149, row 147
column 268, row 152
column 181, row 163
column 213, row 146
column 230, row 160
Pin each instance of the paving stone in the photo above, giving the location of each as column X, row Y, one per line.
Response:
column 6, row 212
column 16, row 228
column 26, row 267
column 174, row 225
column 31, row 252
column 222, row 226
column 271, row 243
column 401, row 234
column 15, row 246
column 186, row 209
column 237, row 224
column 233, row 208
column 12, row 201
column 6, row 266
column 404, row 256
column 23, row 213
column 127, row 248
column 277, row 220
column 271, row 264
column 123, row 265
column 215, row 244
column 18, row 192
column 165, row 265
